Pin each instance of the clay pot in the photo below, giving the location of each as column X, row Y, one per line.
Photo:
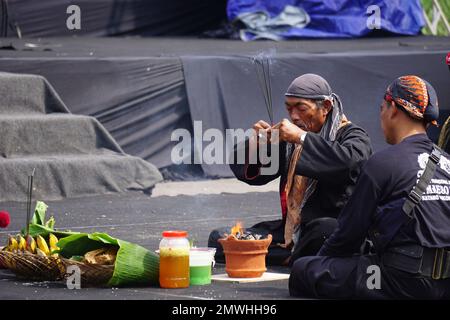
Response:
column 245, row 258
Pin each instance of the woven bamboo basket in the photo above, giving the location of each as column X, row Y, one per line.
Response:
column 91, row 274
column 32, row 266
column 2, row 265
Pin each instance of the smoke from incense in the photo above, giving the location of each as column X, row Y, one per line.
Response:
column 262, row 64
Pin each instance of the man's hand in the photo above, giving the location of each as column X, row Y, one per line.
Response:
column 288, row 131
column 261, row 136
column 262, row 130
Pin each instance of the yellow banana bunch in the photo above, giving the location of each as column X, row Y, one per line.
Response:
column 36, row 246
column 40, row 252
column 53, row 241
column 12, row 244
column 42, row 245
column 22, row 243
column 31, row 244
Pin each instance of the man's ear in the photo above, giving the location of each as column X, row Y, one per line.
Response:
column 394, row 110
column 327, row 105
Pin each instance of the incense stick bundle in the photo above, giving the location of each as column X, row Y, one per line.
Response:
column 29, row 199
column 262, row 65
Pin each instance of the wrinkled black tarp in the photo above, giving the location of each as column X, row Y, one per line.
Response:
column 226, row 94
column 136, row 87
column 47, row 18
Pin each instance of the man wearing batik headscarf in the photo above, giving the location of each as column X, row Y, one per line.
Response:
column 320, row 155
column 401, row 205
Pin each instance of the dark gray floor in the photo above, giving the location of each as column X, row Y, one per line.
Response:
column 140, row 219
column 66, row 47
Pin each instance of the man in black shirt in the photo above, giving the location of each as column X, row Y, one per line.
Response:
column 320, row 153
column 410, row 235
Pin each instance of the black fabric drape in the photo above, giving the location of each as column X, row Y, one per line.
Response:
column 47, row 18
column 226, row 93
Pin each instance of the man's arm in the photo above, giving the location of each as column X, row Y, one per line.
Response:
column 355, row 219
column 333, row 161
column 248, row 172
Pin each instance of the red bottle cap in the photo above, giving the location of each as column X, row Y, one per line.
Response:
column 175, row 234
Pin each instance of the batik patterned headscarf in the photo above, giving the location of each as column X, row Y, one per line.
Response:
column 416, row 96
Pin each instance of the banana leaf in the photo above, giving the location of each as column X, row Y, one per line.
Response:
column 38, row 226
column 134, row 264
column 37, row 229
column 39, row 213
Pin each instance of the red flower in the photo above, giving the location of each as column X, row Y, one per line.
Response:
column 4, row 219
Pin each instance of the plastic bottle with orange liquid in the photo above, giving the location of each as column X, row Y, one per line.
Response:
column 174, row 260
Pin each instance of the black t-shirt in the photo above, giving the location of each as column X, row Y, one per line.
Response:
column 385, row 181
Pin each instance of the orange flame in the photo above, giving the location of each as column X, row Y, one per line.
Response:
column 237, row 228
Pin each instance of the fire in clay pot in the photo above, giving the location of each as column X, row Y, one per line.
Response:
column 245, row 258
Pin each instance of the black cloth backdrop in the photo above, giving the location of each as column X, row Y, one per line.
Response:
column 47, row 18
column 143, row 89
column 226, row 94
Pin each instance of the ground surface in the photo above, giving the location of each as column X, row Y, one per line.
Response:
column 141, row 219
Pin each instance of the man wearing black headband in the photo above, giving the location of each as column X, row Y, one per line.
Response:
column 401, row 205
column 320, row 155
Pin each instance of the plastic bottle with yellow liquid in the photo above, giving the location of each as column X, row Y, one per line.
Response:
column 174, row 260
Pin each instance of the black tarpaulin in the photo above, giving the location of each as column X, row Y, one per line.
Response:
column 226, row 94
column 137, row 88
column 48, row 18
